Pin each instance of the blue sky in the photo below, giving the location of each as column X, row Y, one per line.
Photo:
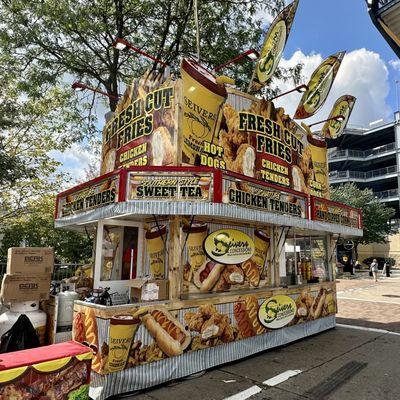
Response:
column 327, row 26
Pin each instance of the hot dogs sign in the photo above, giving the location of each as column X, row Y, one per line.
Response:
column 154, row 333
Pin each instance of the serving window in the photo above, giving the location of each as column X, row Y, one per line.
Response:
column 305, row 260
column 119, row 252
column 119, row 248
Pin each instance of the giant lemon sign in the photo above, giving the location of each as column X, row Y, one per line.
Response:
column 229, row 246
column 277, row 311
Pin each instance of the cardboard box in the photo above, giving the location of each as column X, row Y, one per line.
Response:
column 30, row 260
column 59, row 371
column 148, row 289
column 25, row 288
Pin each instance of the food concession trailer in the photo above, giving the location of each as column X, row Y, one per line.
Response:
column 212, row 216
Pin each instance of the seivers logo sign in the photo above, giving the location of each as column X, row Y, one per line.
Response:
column 229, row 246
column 277, row 311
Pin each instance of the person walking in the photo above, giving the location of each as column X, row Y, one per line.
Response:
column 374, row 269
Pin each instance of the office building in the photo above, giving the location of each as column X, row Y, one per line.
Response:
column 371, row 159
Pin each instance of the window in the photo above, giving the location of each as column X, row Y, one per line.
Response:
column 119, row 253
column 305, row 261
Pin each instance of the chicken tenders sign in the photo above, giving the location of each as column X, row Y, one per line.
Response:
column 260, row 141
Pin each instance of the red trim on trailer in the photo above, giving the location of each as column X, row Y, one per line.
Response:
column 334, row 203
column 218, row 176
column 84, row 185
column 89, row 183
column 123, row 187
column 171, row 168
column 315, row 199
column 218, row 189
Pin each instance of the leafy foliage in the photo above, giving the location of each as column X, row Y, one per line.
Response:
column 46, row 44
column 376, row 216
column 32, row 129
column 53, row 38
column 35, row 228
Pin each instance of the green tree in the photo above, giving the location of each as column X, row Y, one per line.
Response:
column 375, row 215
column 51, row 39
column 35, row 228
column 33, row 126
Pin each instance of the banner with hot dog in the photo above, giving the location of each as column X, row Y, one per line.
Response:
column 220, row 260
column 319, row 86
column 274, row 44
column 343, row 107
column 153, row 333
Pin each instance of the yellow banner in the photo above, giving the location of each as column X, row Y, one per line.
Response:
column 202, row 100
column 143, row 130
column 275, row 41
column 319, row 86
column 343, row 106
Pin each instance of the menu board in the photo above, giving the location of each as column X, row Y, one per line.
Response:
column 142, row 131
column 93, row 194
column 335, row 213
column 169, row 186
column 260, row 197
column 252, row 137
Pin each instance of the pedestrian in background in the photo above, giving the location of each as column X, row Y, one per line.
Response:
column 384, row 268
column 374, row 269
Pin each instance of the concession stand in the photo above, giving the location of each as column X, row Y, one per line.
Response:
column 212, row 218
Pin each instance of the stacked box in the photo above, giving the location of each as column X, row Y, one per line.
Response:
column 28, row 275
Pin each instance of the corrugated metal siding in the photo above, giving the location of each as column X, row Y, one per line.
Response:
column 158, row 372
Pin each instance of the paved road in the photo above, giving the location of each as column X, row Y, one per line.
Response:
column 345, row 363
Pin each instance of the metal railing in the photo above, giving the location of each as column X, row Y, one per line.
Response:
column 381, row 171
column 385, row 194
column 363, row 175
column 362, row 154
column 60, row 272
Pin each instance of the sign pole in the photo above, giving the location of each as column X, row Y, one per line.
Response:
column 196, row 22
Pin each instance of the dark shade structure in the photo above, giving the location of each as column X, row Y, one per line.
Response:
column 385, row 15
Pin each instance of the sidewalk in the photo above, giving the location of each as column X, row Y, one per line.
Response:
column 365, row 303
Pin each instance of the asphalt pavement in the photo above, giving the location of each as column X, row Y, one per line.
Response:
column 358, row 360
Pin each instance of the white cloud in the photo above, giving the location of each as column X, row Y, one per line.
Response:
column 75, row 161
column 395, row 64
column 362, row 74
column 264, row 16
